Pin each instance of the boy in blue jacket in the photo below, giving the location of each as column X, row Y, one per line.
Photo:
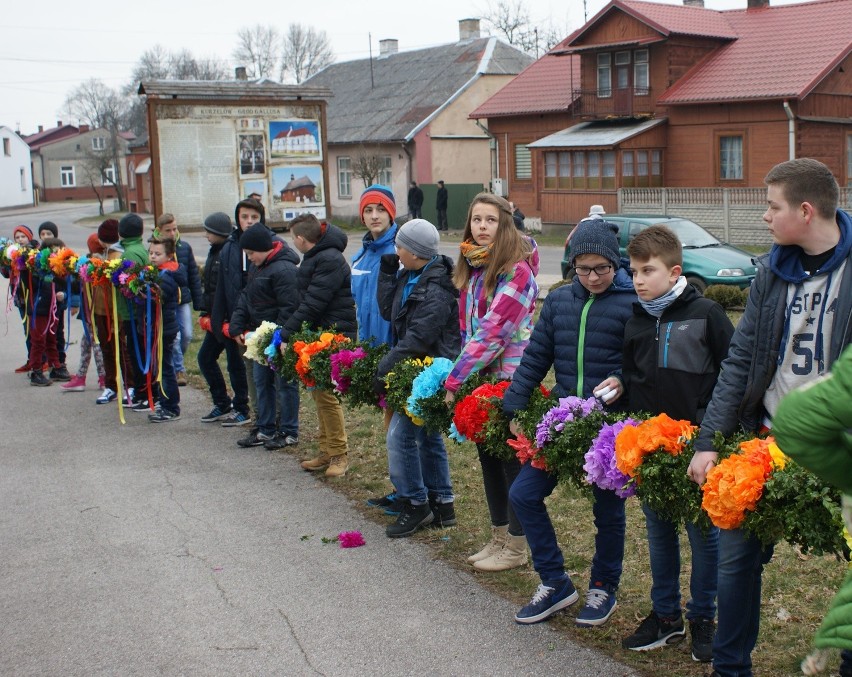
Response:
column 421, row 303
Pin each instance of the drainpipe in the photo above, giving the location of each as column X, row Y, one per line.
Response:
column 495, row 165
column 791, row 130
column 408, row 155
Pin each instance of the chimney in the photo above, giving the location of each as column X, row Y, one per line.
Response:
column 388, row 47
column 40, row 129
column 240, row 73
column 84, row 128
column 758, row 4
column 59, row 123
column 468, row 29
column 693, row 3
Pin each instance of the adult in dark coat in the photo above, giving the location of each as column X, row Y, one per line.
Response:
column 415, row 201
column 441, row 201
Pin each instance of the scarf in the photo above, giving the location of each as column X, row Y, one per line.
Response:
column 656, row 306
column 476, row 255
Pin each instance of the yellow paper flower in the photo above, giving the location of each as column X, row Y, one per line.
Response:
column 779, row 458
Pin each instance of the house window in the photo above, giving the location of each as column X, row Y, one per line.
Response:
column 98, row 143
column 640, row 72
column 641, row 168
column 7, row 146
column 579, row 170
column 731, row 158
column 108, row 178
column 23, row 180
column 344, row 177
column 385, row 174
column 66, row 176
column 131, row 176
column 604, row 75
column 608, row 173
column 523, row 162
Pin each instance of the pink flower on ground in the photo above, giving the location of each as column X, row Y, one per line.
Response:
column 351, row 539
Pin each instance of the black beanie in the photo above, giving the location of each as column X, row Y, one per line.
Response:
column 218, row 223
column 596, row 236
column 130, row 226
column 249, row 203
column 51, row 226
column 257, row 238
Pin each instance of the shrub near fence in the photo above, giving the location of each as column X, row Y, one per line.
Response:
column 733, row 215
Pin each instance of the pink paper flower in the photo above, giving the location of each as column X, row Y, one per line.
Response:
column 350, row 539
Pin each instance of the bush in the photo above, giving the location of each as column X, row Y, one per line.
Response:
column 726, row 295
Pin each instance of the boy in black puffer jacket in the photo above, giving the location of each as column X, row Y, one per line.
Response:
column 172, row 277
column 271, row 294
column 421, row 303
column 326, row 302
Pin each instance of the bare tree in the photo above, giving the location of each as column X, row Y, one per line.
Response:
column 305, row 51
column 258, row 49
column 101, row 107
column 367, row 166
column 510, row 20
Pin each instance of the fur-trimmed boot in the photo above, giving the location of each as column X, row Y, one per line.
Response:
column 512, row 555
column 495, row 545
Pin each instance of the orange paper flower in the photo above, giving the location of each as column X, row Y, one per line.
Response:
column 306, row 350
column 735, row 486
column 657, row 433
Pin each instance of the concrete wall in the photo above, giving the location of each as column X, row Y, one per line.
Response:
column 16, row 183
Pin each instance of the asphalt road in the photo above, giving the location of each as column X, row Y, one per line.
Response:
column 164, row 549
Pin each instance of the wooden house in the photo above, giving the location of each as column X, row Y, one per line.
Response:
column 648, row 94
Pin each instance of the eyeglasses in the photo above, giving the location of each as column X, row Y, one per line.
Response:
column 600, row 271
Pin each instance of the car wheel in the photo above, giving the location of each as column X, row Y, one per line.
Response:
column 697, row 282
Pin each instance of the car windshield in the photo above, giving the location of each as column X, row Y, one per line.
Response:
column 691, row 234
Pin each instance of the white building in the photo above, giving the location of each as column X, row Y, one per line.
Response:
column 16, row 180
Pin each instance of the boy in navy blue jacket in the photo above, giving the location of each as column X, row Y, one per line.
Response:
column 673, row 347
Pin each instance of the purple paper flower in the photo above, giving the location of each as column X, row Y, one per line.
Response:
column 567, row 409
column 600, row 466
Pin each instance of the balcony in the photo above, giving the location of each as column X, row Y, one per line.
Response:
column 622, row 102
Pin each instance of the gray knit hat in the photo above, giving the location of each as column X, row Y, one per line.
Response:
column 419, row 237
column 218, row 223
column 596, row 236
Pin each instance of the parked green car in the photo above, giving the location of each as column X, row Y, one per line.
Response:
column 706, row 260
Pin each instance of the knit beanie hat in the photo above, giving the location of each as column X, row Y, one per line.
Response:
column 250, row 203
column 51, row 226
column 596, row 237
column 108, row 231
column 23, row 229
column 419, row 237
column 256, row 238
column 93, row 242
column 130, row 226
column 218, row 223
column 377, row 194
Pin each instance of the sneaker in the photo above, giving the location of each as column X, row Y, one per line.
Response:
column 279, row 441
column 410, row 520
column 702, row 630
column 236, row 419
column 181, row 378
column 254, row 439
column 37, row 378
column 75, row 385
column 654, row 632
column 547, row 601
column 216, row 414
column 23, row 369
column 382, row 501
column 444, row 515
column 163, row 415
column 600, row 603
column 60, row 374
column 140, row 406
column 108, row 395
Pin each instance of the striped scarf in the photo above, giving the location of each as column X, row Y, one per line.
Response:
column 476, row 255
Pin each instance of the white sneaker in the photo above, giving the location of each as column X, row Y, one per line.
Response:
column 107, row 396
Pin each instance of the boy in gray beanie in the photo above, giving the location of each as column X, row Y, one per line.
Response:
column 420, row 238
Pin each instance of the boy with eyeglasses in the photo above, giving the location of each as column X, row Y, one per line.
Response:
column 580, row 332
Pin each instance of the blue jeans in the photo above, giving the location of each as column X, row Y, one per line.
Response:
column 167, row 392
column 664, row 548
column 208, row 356
column 272, row 389
column 527, row 495
column 184, row 320
column 741, row 562
column 418, row 462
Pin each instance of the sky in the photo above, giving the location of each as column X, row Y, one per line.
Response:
column 58, row 46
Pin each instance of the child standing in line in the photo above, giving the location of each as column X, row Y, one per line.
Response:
column 43, row 310
column 272, row 294
column 580, row 332
column 422, row 303
column 325, row 301
column 217, row 228
column 172, row 277
column 49, row 232
column 495, row 274
column 88, row 346
column 673, row 348
column 22, row 236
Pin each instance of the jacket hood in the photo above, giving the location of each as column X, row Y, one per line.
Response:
column 334, row 238
column 388, row 236
column 282, row 252
column 533, row 258
column 786, row 260
column 441, row 271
